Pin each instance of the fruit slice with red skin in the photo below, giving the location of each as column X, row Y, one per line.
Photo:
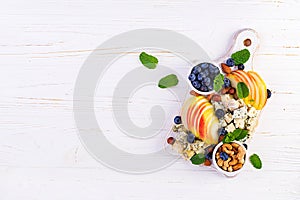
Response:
column 187, row 109
column 202, row 124
column 195, row 114
column 234, row 80
column 195, row 108
column 252, row 99
column 198, row 117
column 199, row 120
column 257, row 88
column 213, row 127
column 262, row 88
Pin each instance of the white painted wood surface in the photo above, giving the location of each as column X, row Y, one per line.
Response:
column 42, row 47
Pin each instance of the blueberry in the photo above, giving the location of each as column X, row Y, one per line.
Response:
column 204, row 65
column 192, row 77
column 206, row 73
column 269, row 93
column 212, row 68
column 209, row 155
column 207, row 81
column 230, row 62
column 200, row 76
column 196, row 84
column 224, row 156
column 222, row 131
column 241, row 67
column 212, row 76
column 210, row 88
column 220, row 113
column 209, row 149
column 204, row 88
column 190, row 137
column 226, row 82
column 177, row 120
column 217, row 71
column 196, row 70
column 246, row 146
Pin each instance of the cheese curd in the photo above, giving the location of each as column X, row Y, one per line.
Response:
column 239, row 123
column 230, row 128
column 228, row 118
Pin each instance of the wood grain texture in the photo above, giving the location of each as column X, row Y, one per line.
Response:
column 43, row 45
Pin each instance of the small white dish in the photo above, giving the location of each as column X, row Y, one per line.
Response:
column 219, row 169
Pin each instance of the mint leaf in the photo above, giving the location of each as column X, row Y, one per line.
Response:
column 242, row 90
column 198, row 159
column 228, row 138
column 218, row 82
column 168, row 81
column 255, row 161
column 148, row 61
column 237, row 134
column 240, row 57
column 242, row 135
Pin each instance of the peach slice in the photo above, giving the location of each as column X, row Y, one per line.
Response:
column 261, row 87
column 257, row 87
column 244, row 77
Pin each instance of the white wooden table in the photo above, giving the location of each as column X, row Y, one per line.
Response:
column 43, row 45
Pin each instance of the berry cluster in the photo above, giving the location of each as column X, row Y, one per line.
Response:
column 202, row 76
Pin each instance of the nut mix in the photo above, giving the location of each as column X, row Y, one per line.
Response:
column 230, row 157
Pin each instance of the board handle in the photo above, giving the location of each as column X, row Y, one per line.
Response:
column 244, row 39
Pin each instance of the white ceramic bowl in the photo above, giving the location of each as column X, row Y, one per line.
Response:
column 219, row 169
column 196, row 90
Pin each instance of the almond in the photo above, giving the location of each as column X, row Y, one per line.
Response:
column 224, row 90
column 231, row 91
column 194, row 93
column 225, row 68
column 216, row 98
column 207, row 162
column 221, row 138
column 235, row 96
column 208, row 97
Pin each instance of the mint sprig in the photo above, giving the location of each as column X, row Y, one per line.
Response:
column 255, row 161
column 218, row 82
column 241, row 57
column 198, row 159
column 242, row 90
column 168, row 81
column 148, row 60
column 237, row 134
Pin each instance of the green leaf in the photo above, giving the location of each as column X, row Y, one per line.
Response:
column 198, row 159
column 237, row 134
column 168, row 81
column 242, row 135
column 240, row 57
column 255, row 161
column 148, row 61
column 242, row 90
column 228, row 138
column 218, row 82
